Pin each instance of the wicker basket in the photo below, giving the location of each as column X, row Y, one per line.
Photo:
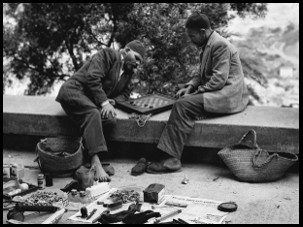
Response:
column 251, row 164
column 60, row 156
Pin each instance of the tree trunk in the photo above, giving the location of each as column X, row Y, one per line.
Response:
column 72, row 55
column 113, row 33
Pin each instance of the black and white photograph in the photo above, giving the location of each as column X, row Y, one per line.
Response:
column 150, row 113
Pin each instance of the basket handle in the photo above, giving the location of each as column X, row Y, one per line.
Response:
column 249, row 140
column 43, row 140
column 258, row 158
column 37, row 159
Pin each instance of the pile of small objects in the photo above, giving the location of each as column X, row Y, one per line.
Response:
column 125, row 195
column 42, row 198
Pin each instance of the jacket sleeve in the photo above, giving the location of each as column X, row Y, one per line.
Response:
column 125, row 95
column 220, row 69
column 95, row 72
column 196, row 80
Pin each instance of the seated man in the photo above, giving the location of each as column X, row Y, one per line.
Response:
column 218, row 88
column 89, row 95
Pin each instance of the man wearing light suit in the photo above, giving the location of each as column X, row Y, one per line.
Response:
column 217, row 88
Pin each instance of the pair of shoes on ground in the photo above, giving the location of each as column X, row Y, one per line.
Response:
column 167, row 165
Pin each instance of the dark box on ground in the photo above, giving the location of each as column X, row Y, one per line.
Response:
column 154, row 193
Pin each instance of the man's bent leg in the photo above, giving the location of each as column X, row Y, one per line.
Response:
column 90, row 123
column 176, row 132
column 89, row 120
column 93, row 136
column 180, row 124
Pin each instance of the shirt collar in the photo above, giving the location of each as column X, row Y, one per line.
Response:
column 204, row 45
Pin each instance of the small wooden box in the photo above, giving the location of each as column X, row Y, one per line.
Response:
column 154, row 193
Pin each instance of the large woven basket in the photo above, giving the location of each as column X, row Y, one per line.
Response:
column 250, row 163
column 60, row 156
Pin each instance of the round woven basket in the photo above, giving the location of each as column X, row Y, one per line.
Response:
column 60, row 156
column 251, row 164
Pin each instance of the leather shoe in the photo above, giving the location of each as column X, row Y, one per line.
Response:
column 139, row 168
column 156, row 167
column 172, row 164
column 109, row 169
column 164, row 166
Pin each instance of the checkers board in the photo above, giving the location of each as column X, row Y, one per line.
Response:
column 150, row 104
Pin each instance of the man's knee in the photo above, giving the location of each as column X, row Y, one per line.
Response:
column 180, row 103
column 94, row 112
column 109, row 121
column 92, row 117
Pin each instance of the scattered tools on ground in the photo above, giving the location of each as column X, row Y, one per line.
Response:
column 154, row 193
column 91, row 214
column 17, row 187
column 48, row 180
column 113, row 203
column 175, row 221
column 216, row 178
column 96, row 218
column 54, row 219
column 12, row 221
column 141, row 217
column 98, row 189
column 70, row 186
column 17, row 213
column 170, row 214
column 181, row 221
column 108, row 218
column 176, row 203
column 84, row 212
column 45, row 198
column 185, row 180
column 82, row 197
column 228, row 207
column 16, row 216
column 43, row 201
column 7, row 205
column 126, row 195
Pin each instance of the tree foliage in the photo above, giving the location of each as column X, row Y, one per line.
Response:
column 50, row 41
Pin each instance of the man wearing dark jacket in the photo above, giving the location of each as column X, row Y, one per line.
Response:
column 217, row 88
column 88, row 97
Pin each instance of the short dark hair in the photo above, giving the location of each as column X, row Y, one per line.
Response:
column 197, row 21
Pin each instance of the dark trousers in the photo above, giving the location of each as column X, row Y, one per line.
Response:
column 180, row 124
column 79, row 107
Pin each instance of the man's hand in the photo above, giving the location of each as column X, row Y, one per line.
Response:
column 112, row 101
column 184, row 91
column 107, row 110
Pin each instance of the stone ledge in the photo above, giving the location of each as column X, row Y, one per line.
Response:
column 277, row 128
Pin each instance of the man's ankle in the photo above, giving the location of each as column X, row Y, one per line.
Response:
column 95, row 159
column 163, row 155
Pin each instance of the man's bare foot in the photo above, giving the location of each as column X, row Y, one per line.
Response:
column 100, row 174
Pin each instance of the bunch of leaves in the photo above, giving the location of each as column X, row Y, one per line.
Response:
column 51, row 40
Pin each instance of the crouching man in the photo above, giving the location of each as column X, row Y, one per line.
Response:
column 88, row 97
